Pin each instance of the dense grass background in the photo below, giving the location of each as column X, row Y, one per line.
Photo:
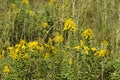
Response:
column 101, row 16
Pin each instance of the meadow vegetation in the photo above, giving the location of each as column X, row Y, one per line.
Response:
column 59, row 39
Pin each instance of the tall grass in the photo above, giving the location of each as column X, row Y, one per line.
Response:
column 26, row 21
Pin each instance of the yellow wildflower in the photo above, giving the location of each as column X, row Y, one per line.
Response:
column 49, row 42
column 30, row 12
column 6, row 69
column 81, row 43
column 20, row 55
column 46, row 55
column 22, row 42
column 45, row 24
column 14, row 55
column 41, row 48
column 69, row 25
column 58, row 38
column 86, row 49
column 102, row 53
column 52, row 49
column 25, row 1
column 94, row 49
column 70, row 61
column 88, row 34
column 25, row 56
column 33, row 44
column 11, row 49
column 17, row 50
column 17, row 45
column 13, row 52
column 96, row 53
column 23, row 46
column 76, row 47
column 104, row 43
column 13, row 5
column 67, row 46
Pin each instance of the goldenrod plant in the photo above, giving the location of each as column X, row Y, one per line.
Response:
column 59, row 40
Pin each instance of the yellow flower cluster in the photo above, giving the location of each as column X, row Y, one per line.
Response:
column 102, row 53
column 88, row 34
column 86, row 49
column 94, row 49
column 33, row 44
column 21, row 50
column 45, row 24
column 6, row 69
column 25, row 1
column 104, row 43
column 69, row 25
column 12, row 52
column 16, row 52
column 83, row 47
column 58, row 38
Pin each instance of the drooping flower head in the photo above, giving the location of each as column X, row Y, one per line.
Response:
column 88, row 34
column 69, row 25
